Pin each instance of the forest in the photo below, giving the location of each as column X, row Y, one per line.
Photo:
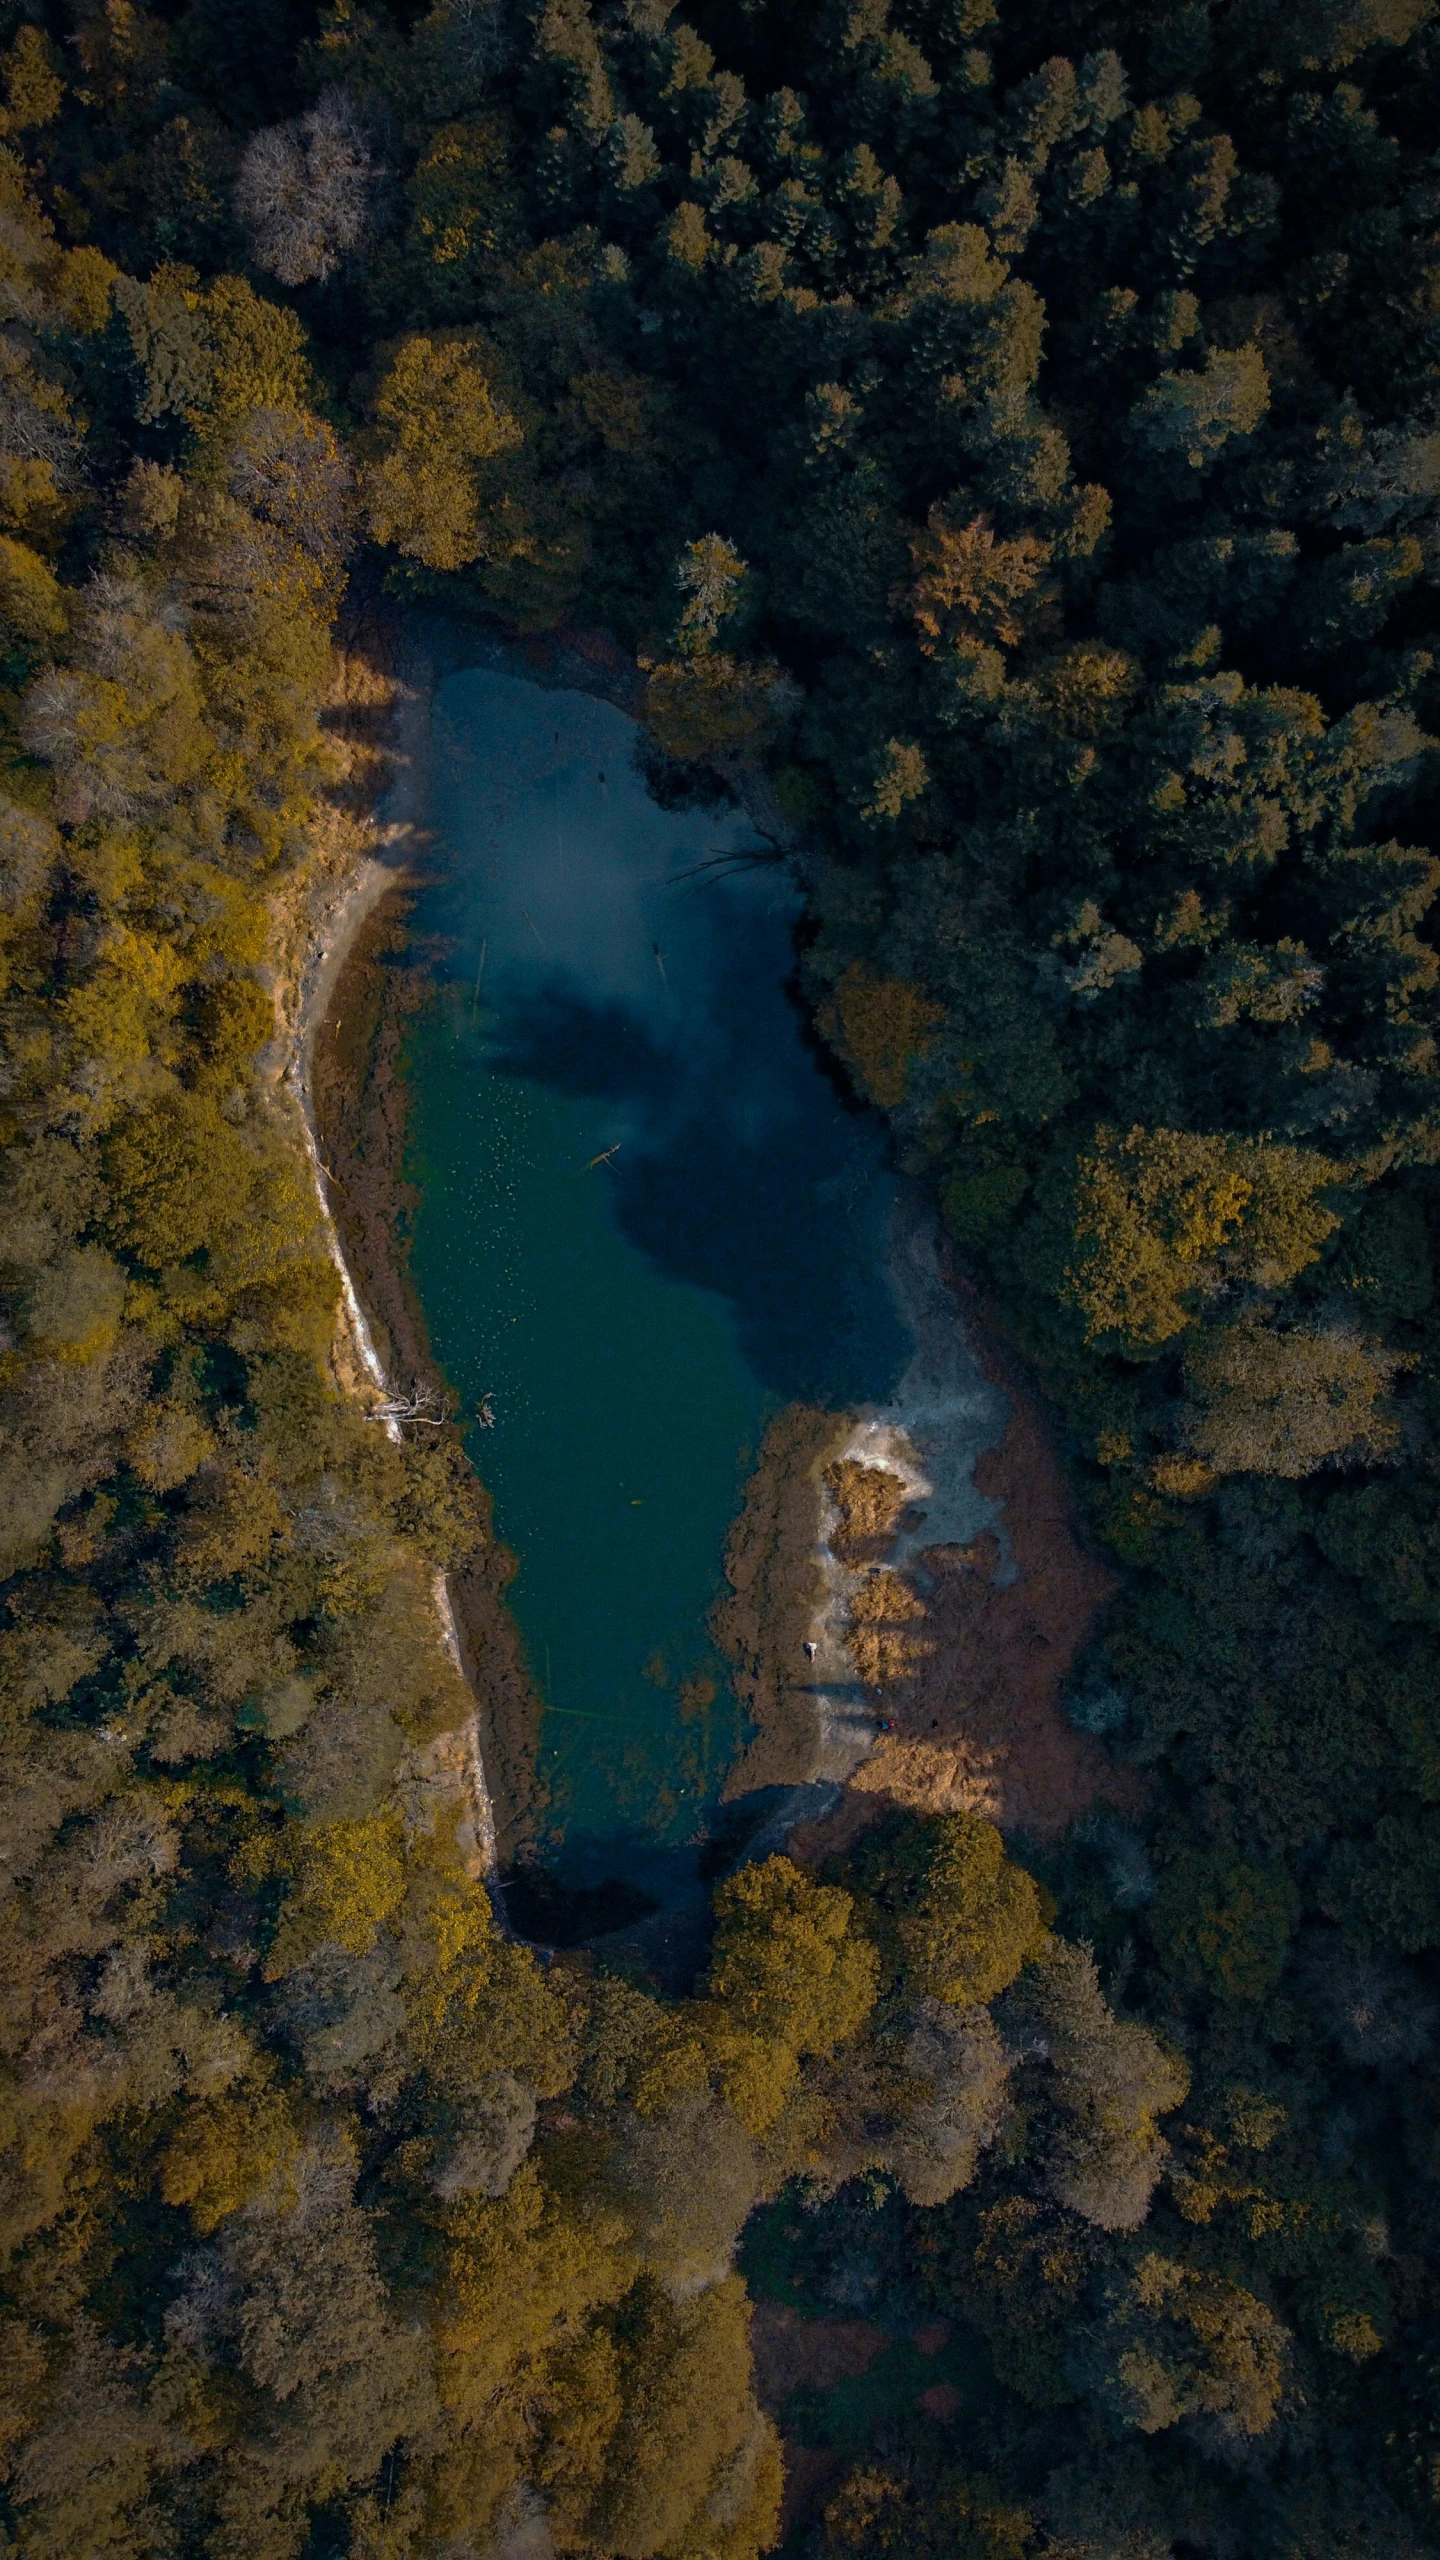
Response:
column 1009, row 434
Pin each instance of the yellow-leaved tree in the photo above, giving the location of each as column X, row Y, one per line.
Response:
column 881, row 1027
column 438, row 423
column 1166, row 1217
column 793, row 1973
column 704, row 705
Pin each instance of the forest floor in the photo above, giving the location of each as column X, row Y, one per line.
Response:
column 828, row 2382
column 795, row 2354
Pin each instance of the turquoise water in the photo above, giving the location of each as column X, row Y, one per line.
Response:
column 615, row 977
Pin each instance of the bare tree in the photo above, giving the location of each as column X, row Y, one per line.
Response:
column 288, row 470
column 303, row 191
column 421, row 1405
column 472, row 33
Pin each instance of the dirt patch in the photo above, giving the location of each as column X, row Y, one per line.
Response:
column 792, row 2354
column 884, row 1656
column 812, row 2476
column 942, row 2400
column 976, row 1722
column 795, row 2354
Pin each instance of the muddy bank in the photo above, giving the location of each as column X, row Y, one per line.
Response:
column 802, row 2359
column 359, row 1118
column 977, row 1720
column 965, row 1640
column 361, row 835
column 775, row 1569
column 339, row 906
column 909, row 1593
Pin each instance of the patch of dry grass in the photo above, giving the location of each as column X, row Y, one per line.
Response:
column 885, row 1596
column 870, row 1501
column 772, row 1565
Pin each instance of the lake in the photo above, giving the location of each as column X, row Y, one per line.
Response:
column 647, row 1218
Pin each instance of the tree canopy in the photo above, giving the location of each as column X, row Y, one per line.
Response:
column 1003, row 441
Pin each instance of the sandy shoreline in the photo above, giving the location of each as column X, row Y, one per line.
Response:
column 395, row 831
column 335, row 939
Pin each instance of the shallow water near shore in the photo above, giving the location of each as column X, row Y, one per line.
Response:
column 645, row 1219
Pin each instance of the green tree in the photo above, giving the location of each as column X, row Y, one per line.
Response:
column 879, row 2516
column 694, row 2466
column 954, row 1916
column 1223, row 1924
column 1194, row 415
column 1180, row 2345
column 179, row 1173
column 882, row 1027
column 1109, row 2080
column 790, row 1961
column 957, row 2059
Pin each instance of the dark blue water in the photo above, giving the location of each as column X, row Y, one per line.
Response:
column 619, row 979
